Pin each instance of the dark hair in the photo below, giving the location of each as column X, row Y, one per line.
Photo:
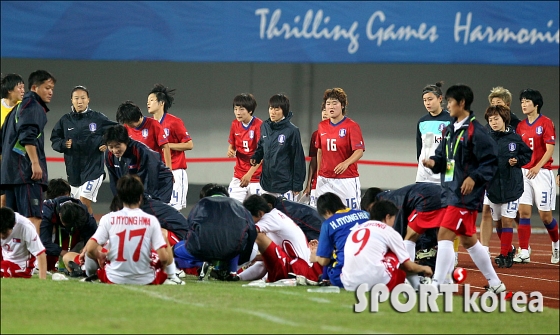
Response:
column 329, row 202
column 7, row 219
column 246, row 100
column 460, row 93
column 255, row 203
column 434, row 88
column 130, row 189
column 128, row 112
column 9, row 83
column 116, row 204
column 270, row 199
column 502, row 111
column 38, row 77
column 280, row 100
column 211, row 189
column 73, row 215
column 79, row 88
column 164, row 95
column 58, row 187
column 370, row 196
column 338, row 94
column 533, row 95
column 116, row 133
column 381, row 209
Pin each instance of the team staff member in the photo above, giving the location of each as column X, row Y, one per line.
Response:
column 160, row 100
column 127, row 156
column 339, row 147
column 24, row 164
column 79, row 136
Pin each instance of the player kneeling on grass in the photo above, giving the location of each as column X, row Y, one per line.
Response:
column 131, row 235
column 20, row 246
column 282, row 244
column 375, row 253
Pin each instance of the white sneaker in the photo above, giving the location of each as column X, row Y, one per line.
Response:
column 181, row 274
column 522, row 256
column 173, row 281
column 496, row 289
column 555, row 258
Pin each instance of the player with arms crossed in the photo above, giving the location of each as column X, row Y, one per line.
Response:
column 244, row 135
column 537, row 131
column 339, row 147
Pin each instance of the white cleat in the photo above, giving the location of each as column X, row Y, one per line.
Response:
column 522, row 256
column 555, row 258
column 496, row 289
column 181, row 274
column 173, row 281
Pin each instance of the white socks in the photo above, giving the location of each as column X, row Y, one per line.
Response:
column 445, row 260
column 171, row 270
column 255, row 271
column 91, row 265
column 480, row 258
column 413, row 278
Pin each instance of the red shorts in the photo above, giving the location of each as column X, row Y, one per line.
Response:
column 173, row 239
column 280, row 262
column 460, row 220
column 12, row 270
column 161, row 276
column 421, row 221
column 391, row 263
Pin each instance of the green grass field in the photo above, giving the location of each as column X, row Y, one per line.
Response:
column 72, row 307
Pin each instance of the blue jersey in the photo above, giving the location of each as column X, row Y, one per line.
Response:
column 334, row 232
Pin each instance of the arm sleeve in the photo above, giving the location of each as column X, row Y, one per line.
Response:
column 325, row 247
column 231, row 138
column 524, row 154
column 299, row 163
column 485, row 150
column 105, row 123
column 58, row 142
column 30, row 125
column 161, row 138
column 33, row 241
column 396, row 245
column 418, row 141
column 259, row 153
column 439, row 155
column 46, row 231
column 112, row 172
column 312, row 147
column 356, row 138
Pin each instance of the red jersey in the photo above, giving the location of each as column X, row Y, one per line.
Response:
column 244, row 141
column 175, row 131
column 537, row 135
column 337, row 143
column 313, row 153
column 149, row 132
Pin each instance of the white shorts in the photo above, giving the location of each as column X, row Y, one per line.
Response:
column 372, row 275
column 541, row 190
column 180, row 189
column 288, row 195
column 348, row 189
column 88, row 190
column 486, row 200
column 508, row 210
column 313, row 198
column 241, row 193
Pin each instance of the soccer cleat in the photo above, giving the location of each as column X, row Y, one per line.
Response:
column 496, row 289
column 224, row 275
column 522, row 256
column 181, row 274
column 91, row 278
column 302, row 281
column 173, row 281
column 76, row 270
column 555, row 258
column 504, row 261
column 425, row 280
column 203, row 270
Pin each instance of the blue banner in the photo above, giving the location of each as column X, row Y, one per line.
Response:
column 465, row 32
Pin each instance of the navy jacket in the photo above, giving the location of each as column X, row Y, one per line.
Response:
column 84, row 161
column 507, row 184
column 476, row 157
column 422, row 197
column 50, row 225
column 26, row 124
column 140, row 160
column 280, row 147
column 306, row 217
column 220, row 228
column 169, row 218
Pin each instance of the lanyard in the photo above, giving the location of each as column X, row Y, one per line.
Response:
column 457, row 140
column 60, row 238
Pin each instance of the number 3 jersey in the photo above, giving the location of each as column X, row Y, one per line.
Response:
column 131, row 235
column 337, row 143
column 245, row 140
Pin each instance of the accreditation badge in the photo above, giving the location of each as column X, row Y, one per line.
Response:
column 449, row 170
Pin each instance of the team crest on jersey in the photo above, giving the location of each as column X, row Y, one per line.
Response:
column 281, row 138
column 539, row 130
column 92, row 127
column 342, row 132
column 251, row 134
column 145, row 133
column 16, row 240
column 512, row 147
column 166, row 131
column 441, row 127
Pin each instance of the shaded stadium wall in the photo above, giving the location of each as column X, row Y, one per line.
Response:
column 385, row 99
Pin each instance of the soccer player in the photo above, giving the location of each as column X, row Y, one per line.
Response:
column 467, row 161
column 144, row 129
column 537, row 131
column 339, row 147
column 127, row 156
column 311, row 188
column 506, row 187
column 13, row 89
column 79, row 136
column 72, row 226
column 339, row 220
column 282, row 244
column 375, row 253
column 24, row 164
column 280, row 151
column 244, row 135
column 132, row 235
column 160, row 100
column 20, row 246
